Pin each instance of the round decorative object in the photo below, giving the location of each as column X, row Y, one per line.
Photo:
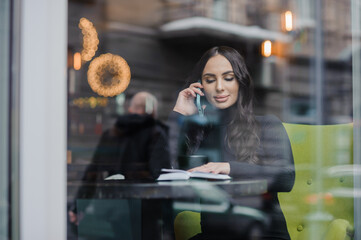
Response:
column 108, row 75
column 90, row 39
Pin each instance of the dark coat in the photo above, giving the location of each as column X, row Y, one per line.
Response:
column 136, row 147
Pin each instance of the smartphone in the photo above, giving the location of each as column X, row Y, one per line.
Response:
column 198, row 103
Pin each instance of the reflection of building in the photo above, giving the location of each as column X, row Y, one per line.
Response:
column 131, row 28
column 336, row 42
column 161, row 46
column 291, row 75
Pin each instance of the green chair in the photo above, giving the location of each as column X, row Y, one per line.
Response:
column 187, row 224
column 319, row 206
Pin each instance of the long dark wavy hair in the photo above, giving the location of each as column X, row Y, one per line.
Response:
column 242, row 131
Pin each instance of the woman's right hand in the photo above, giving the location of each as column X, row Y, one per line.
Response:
column 185, row 102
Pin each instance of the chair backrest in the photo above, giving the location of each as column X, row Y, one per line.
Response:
column 187, row 224
column 323, row 186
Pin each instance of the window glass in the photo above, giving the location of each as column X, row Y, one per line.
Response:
column 4, row 113
column 277, row 120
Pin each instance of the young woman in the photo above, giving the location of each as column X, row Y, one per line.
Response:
column 251, row 146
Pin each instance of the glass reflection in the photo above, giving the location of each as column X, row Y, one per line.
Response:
column 163, row 40
column 5, row 186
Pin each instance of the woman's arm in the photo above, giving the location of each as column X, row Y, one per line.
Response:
column 279, row 178
column 158, row 150
column 275, row 159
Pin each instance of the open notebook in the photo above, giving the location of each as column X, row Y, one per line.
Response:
column 177, row 174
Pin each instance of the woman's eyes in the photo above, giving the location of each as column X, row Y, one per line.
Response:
column 210, row 80
column 213, row 80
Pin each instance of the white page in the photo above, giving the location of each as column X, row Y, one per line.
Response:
column 173, row 176
column 198, row 174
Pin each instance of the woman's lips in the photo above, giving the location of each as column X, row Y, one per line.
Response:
column 222, row 98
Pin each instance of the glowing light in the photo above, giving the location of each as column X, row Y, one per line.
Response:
column 267, row 48
column 77, row 61
column 91, row 102
column 109, row 75
column 90, row 39
column 288, row 21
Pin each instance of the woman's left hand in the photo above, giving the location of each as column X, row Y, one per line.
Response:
column 213, row 167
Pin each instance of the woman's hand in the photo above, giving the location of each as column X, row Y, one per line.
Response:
column 213, row 167
column 185, row 102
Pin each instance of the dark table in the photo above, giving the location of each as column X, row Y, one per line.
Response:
column 114, row 189
column 157, row 200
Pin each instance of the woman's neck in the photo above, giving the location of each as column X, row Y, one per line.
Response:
column 227, row 115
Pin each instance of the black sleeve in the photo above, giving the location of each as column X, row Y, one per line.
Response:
column 276, row 160
column 175, row 123
column 93, row 171
column 159, row 152
column 104, row 157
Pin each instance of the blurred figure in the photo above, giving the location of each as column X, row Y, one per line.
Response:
column 136, row 147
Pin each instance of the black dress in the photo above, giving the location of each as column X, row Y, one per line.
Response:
column 275, row 165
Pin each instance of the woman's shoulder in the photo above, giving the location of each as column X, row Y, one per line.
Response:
column 268, row 119
column 271, row 126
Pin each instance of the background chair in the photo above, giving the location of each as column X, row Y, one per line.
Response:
column 320, row 205
column 187, row 224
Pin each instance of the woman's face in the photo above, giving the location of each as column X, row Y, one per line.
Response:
column 219, row 82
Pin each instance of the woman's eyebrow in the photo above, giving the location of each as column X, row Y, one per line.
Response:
column 228, row 72
column 213, row 75
column 209, row 74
